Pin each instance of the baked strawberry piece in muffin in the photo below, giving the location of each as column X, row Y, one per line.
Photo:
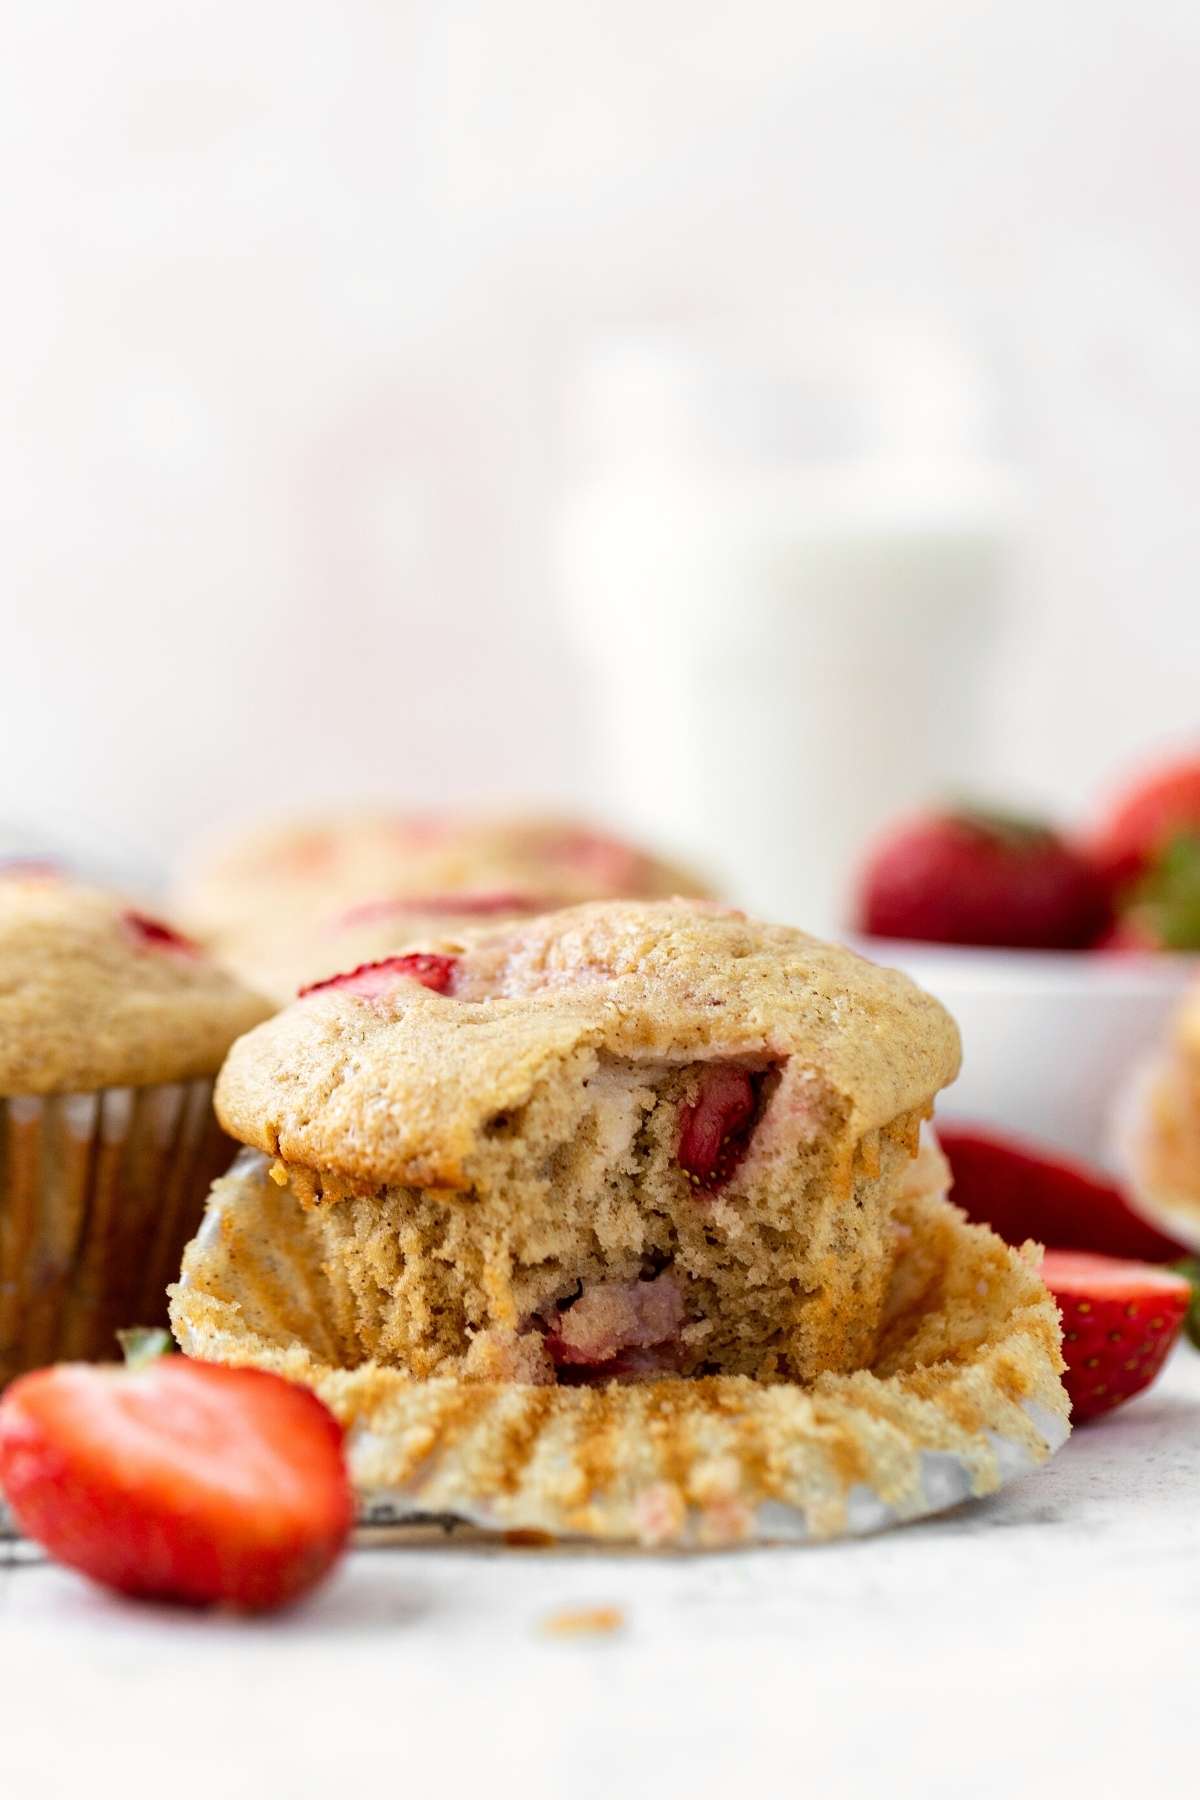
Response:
column 617, row 1141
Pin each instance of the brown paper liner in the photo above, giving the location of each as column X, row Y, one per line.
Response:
column 98, row 1195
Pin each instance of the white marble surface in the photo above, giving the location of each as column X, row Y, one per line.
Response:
column 1044, row 1642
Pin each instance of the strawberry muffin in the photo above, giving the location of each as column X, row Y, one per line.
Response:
column 112, row 1027
column 619, row 1141
column 286, row 887
column 1160, row 1129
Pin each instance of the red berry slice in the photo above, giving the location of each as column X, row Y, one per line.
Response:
column 1023, row 1192
column 1120, row 1319
column 373, row 979
column 178, row 1480
column 153, row 933
column 715, row 1129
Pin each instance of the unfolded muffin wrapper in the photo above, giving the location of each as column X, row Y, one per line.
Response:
column 1147, row 1122
column 964, row 1396
column 99, row 1193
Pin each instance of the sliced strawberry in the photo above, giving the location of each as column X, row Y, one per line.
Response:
column 1021, row 1192
column 1120, row 1319
column 178, row 1480
column 154, row 934
column 372, row 979
column 715, row 1128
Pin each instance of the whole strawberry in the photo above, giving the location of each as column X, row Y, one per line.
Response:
column 1120, row 1320
column 178, row 1480
column 983, row 878
column 1148, row 851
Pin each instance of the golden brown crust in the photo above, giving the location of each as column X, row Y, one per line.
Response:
column 93, row 996
column 401, row 1088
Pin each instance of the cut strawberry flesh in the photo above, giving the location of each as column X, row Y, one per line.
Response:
column 1119, row 1319
column 182, row 1480
column 373, row 979
column 715, row 1128
column 162, row 937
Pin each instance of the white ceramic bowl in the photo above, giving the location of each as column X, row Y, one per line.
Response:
column 1049, row 1039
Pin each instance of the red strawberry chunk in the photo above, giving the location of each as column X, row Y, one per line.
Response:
column 715, row 1128
column 615, row 1316
column 154, row 933
column 179, row 1480
column 373, row 979
column 1120, row 1320
column 617, row 1330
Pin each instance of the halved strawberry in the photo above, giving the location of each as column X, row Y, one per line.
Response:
column 178, row 1480
column 1120, row 1319
column 1022, row 1192
column 371, row 979
column 157, row 936
column 715, row 1128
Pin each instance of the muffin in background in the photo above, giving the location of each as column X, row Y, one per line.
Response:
column 272, row 903
column 1157, row 1128
column 112, row 1027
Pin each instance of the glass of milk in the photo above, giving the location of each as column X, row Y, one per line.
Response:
column 781, row 556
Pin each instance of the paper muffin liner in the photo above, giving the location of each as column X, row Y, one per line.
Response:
column 964, row 1395
column 99, row 1192
column 1150, row 1126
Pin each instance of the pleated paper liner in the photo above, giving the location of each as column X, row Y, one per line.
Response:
column 1156, row 1146
column 99, row 1193
column 964, row 1395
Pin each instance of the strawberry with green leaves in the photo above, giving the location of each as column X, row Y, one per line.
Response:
column 1148, row 853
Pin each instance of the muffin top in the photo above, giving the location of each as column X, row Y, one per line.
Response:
column 390, row 1074
column 307, row 871
column 95, row 994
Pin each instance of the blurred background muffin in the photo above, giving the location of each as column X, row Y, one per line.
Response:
column 292, row 903
column 112, row 1027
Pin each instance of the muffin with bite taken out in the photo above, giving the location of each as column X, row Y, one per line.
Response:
column 621, row 1141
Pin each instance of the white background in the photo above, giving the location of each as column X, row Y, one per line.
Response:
column 288, row 294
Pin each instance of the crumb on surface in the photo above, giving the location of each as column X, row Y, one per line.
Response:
column 584, row 1621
